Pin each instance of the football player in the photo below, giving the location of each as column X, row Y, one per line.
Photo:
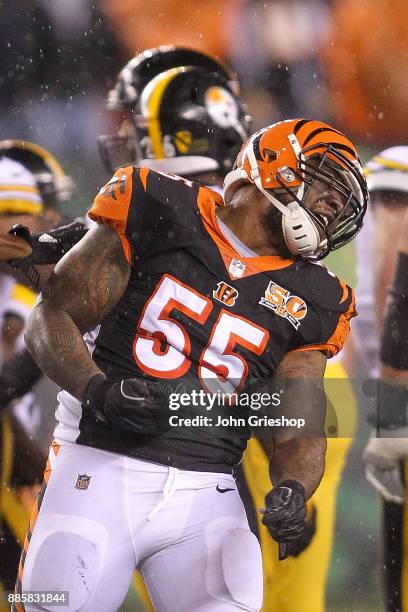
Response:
column 28, row 195
column 208, row 160
column 219, row 127
column 386, row 453
column 297, row 191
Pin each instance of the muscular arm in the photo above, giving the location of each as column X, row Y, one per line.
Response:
column 300, row 454
column 84, row 287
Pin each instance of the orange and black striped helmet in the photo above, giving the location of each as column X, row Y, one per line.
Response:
column 285, row 158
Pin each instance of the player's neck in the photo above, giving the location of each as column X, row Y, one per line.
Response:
column 248, row 226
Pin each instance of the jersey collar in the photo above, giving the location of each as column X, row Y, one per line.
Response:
column 207, row 202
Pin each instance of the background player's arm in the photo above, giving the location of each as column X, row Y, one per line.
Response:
column 31, row 259
column 388, row 231
column 85, row 285
column 389, row 447
column 300, row 454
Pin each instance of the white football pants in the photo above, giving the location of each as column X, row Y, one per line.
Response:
column 104, row 514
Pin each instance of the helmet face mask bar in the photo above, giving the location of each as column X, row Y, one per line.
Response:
column 277, row 163
column 333, row 169
column 118, row 151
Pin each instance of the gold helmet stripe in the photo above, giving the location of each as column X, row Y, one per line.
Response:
column 388, row 163
column 34, row 148
column 20, row 207
column 150, row 103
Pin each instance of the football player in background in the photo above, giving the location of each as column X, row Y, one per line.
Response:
column 297, row 191
column 386, row 453
column 188, row 152
column 28, row 195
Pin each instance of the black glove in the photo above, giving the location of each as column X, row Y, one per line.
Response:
column 285, row 511
column 134, row 404
column 49, row 247
column 295, row 548
column 22, row 231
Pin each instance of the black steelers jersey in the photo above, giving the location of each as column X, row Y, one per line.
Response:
column 196, row 311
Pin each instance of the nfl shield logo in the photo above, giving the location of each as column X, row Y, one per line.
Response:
column 82, row 482
column 236, row 268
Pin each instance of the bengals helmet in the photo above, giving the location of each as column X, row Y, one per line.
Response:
column 184, row 112
column 283, row 160
column 54, row 186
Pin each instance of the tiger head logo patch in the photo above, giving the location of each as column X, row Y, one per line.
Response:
column 282, row 303
column 225, row 293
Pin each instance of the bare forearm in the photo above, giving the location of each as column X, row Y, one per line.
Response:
column 301, row 459
column 58, row 347
column 298, row 453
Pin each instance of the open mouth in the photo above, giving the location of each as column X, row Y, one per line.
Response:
column 323, row 219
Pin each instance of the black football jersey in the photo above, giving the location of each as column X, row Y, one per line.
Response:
column 197, row 312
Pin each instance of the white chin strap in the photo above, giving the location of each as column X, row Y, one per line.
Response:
column 299, row 231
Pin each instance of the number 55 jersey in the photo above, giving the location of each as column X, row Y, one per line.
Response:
column 197, row 316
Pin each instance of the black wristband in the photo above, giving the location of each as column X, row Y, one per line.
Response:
column 295, row 485
column 95, row 391
column 394, row 339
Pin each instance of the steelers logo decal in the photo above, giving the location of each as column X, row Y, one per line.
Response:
column 221, row 106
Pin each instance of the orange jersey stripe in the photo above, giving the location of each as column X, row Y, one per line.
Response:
column 111, row 205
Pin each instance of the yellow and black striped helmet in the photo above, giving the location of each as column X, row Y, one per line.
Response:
column 54, row 185
column 185, row 113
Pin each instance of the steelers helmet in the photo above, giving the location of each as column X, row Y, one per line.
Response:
column 142, row 68
column 283, row 160
column 388, row 171
column 185, row 118
column 54, row 186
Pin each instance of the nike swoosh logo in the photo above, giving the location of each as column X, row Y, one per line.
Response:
column 222, row 490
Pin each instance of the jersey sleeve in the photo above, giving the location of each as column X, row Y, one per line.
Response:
column 112, row 204
column 332, row 316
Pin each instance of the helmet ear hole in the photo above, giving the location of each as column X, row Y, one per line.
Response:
column 270, row 155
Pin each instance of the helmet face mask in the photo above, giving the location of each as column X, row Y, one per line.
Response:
column 333, row 169
column 275, row 160
column 120, row 150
